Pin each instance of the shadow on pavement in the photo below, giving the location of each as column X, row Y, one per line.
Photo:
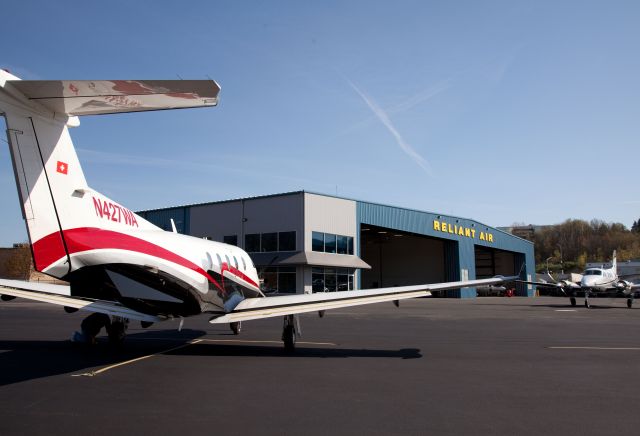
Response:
column 213, row 350
column 27, row 360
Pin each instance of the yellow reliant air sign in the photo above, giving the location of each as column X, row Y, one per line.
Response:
column 454, row 229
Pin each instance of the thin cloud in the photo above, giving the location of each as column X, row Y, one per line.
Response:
column 383, row 117
column 409, row 103
column 255, row 171
column 420, row 97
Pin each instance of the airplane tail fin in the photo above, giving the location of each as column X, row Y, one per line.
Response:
column 614, row 262
column 53, row 191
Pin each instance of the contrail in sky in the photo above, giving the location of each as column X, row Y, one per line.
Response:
column 386, row 121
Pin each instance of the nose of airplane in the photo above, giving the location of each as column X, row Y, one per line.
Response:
column 587, row 281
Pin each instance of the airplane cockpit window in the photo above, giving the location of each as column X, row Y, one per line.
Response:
column 228, row 261
column 219, row 259
column 235, row 262
column 593, row 272
column 244, row 264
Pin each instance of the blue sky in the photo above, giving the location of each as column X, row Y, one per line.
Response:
column 500, row 111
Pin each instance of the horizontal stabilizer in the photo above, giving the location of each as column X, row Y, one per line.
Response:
column 95, row 97
column 60, row 295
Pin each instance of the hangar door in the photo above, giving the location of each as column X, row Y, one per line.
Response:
column 401, row 258
column 491, row 262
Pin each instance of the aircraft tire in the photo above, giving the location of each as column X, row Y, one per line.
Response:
column 587, row 304
column 289, row 338
column 117, row 332
column 629, row 303
column 573, row 301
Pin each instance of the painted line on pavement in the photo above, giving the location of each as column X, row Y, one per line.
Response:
column 137, row 359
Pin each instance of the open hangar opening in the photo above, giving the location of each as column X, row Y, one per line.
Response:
column 493, row 261
column 410, row 247
column 400, row 258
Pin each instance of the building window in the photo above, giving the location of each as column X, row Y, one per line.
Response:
column 332, row 279
column 279, row 279
column 287, row 241
column 342, row 244
column 252, row 243
column 287, row 279
column 329, row 243
column 269, row 242
column 317, row 243
column 231, row 240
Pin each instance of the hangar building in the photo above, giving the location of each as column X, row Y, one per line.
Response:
column 304, row 241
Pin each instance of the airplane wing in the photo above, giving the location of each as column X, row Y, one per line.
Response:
column 95, row 97
column 562, row 285
column 266, row 307
column 61, row 295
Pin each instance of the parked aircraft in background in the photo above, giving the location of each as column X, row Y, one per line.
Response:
column 117, row 263
column 594, row 280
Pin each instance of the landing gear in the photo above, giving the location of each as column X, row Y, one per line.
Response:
column 90, row 328
column 117, row 330
column 573, row 301
column 289, row 333
column 586, row 300
column 236, row 327
column 630, row 302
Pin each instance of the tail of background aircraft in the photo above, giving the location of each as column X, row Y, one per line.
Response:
column 614, row 262
column 56, row 201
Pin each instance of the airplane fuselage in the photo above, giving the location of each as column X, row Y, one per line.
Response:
column 155, row 271
column 599, row 279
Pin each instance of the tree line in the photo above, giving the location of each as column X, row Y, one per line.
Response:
column 573, row 243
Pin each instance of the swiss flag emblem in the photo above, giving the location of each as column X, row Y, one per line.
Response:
column 62, row 168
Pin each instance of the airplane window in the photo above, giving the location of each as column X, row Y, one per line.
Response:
column 244, row 264
column 219, row 259
column 235, row 261
column 228, row 261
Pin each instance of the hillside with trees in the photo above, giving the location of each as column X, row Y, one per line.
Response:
column 575, row 242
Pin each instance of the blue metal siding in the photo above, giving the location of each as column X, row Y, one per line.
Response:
column 422, row 223
column 162, row 218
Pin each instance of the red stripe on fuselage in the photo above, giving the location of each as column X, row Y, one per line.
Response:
column 88, row 238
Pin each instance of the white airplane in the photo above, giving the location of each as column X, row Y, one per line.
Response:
column 118, row 264
column 597, row 280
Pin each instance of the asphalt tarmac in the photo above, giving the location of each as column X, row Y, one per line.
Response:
column 499, row 366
